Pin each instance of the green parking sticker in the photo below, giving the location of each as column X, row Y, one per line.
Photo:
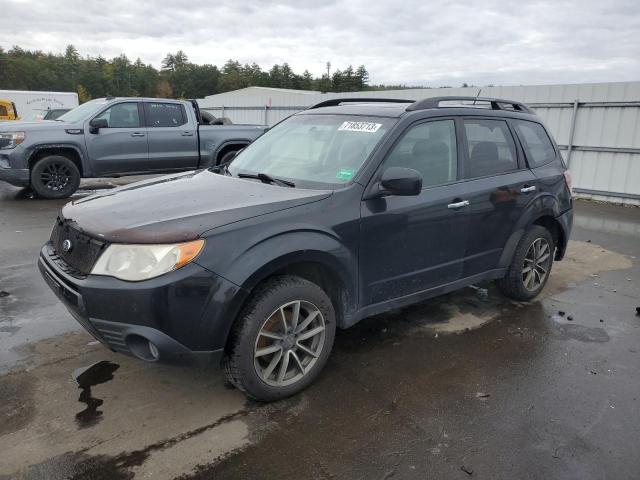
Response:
column 345, row 174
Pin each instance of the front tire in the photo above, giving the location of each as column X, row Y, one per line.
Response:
column 281, row 340
column 55, row 176
column 530, row 266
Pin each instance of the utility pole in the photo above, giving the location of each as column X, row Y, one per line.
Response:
column 327, row 84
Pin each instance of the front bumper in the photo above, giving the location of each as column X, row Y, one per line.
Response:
column 182, row 313
column 15, row 176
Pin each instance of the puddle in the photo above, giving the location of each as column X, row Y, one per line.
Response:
column 87, row 377
column 581, row 333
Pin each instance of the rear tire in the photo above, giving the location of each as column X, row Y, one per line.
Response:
column 281, row 340
column 227, row 157
column 530, row 266
column 55, row 176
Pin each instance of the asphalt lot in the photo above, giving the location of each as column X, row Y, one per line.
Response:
column 456, row 387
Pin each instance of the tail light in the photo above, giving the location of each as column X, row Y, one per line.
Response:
column 567, row 178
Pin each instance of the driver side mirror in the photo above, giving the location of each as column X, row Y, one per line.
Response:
column 97, row 123
column 399, row 181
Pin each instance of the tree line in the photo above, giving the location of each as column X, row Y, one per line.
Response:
column 94, row 77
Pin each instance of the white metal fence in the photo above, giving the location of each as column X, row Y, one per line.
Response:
column 597, row 126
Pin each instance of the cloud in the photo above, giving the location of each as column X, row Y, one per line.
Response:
column 431, row 43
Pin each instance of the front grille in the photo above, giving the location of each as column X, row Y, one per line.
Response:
column 84, row 251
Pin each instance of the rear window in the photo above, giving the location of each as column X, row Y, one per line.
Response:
column 492, row 150
column 536, row 143
column 165, row 114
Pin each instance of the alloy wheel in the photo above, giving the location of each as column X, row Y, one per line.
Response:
column 289, row 343
column 537, row 263
column 55, row 176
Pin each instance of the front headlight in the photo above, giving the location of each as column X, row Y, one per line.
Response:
column 11, row 139
column 140, row 262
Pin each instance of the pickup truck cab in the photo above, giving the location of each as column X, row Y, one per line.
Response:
column 111, row 137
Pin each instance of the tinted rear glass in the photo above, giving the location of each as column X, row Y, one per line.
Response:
column 165, row 114
column 492, row 150
column 536, row 143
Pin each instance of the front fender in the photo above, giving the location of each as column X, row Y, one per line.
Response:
column 300, row 246
column 248, row 265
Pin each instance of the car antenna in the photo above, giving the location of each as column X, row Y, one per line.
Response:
column 477, row 95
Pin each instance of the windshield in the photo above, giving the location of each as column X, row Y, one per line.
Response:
column 82, row 112
column 34, row 115
column 316, row 149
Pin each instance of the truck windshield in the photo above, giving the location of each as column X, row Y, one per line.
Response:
column 314, row 149
column 82, row 112
column 34, row 115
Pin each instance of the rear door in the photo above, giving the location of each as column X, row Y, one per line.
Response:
column 411, row 244
column 122, row 146
column 544, row 160
column 173, row 139
column 499, row 187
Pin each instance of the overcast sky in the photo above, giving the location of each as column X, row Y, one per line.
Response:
column 426, row 42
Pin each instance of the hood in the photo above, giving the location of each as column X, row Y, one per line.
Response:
column 180, row 208
column 25, row 126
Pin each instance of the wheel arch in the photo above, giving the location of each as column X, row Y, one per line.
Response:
column 229, row 146
column 557, row 233
column 315, row 267
column 72, row 152
column 542, row 211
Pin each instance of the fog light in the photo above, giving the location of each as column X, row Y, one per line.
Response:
column 143, row 348
column 154, row 351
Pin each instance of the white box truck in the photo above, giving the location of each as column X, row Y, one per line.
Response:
column 31, row 105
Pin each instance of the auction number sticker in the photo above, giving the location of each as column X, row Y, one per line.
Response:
column 366, row 127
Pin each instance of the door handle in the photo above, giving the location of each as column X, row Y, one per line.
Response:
column 137, row 134
column 457, row 205
column 187, row 134
column 528, row 189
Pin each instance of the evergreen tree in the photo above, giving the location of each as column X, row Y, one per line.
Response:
column 94, row 77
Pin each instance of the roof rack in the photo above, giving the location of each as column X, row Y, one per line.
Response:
column 334, row 102
column 496, row 103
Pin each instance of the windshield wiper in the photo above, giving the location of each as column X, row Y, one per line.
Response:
column 263, row 177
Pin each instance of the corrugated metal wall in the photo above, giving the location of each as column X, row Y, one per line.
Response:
column 605, row 148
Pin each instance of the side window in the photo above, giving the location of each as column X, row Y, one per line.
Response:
column 165, row 114
column 491, row 148
column 122, row 115
column 3, row 111
column 429, row 148
column 535, row 141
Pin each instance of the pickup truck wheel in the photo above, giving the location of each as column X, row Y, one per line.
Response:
column 530, row 266
column 282, row 339
column 227, row 157
column 55, row 176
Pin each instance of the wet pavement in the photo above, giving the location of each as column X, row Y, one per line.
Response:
column 457, row 387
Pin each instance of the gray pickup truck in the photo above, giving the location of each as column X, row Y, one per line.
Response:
column 112, row 137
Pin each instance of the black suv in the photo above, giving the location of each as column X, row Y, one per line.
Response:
column 345, row 210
